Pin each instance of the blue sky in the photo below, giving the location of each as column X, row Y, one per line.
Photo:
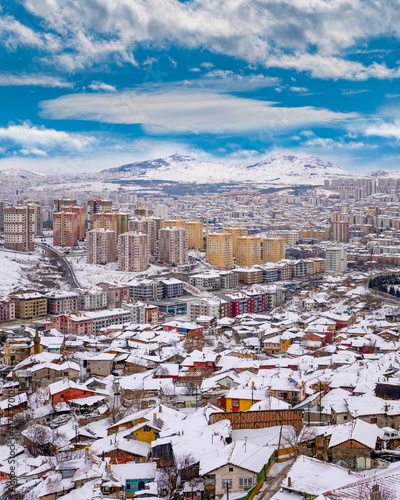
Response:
column 87, row 85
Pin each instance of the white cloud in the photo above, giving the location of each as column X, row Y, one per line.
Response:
column 388, row 130
column 31, row 138
column 102, row 86
column 280, row 33
column 329, row 143
column 190, row 110
column 299, row 90
column 333, row 67
column 230, row 81
column 33, row 152
column 14, row 80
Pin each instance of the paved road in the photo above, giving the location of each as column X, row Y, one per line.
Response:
column 69, row 272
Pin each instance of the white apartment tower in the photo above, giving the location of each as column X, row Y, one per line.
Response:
column 336, row 259
column 19, row 228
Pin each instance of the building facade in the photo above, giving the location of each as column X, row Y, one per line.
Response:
column 101, row 246
column 65, row 229
column 248, row 251
column 173, row 245
column 273, row 249
column 336, row 259
column 19, row 228
column 220, row 250
column 133, row 252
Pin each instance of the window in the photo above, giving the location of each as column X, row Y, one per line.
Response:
column 226, row 482
column 235, row 402
column 245, row 482
column 230, row 469
column 374, row 420
column 146, row 428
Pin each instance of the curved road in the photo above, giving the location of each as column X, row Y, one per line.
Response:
column 69, row 272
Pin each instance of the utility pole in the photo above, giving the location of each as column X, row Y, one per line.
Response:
column 227, row 489
column 252, row 393
column 320, row 401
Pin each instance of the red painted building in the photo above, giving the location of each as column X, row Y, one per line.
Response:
column 65, row 390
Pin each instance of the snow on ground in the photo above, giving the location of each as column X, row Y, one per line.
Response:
column 89, row 275
column 15, row 270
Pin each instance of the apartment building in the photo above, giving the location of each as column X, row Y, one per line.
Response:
column 291, row 236
column 101, row 246
column 194, row 229
column 105, row 220
column 95, row 206
column 61, row 203
column 19, row 228
column 203, row 307
column 133, row 252
column 146, row 290
column 38, row 216
column 3, row 205
column 60, row 302
column 236, row 232
column 220, row 249
column 29, row 305
column 147, row 226
column 7, row 310
column 340, row 231
column 273, row 249
column 248, row 251
column 336, row 259
column 92, row 300
column 173, row 245
column 65, row 228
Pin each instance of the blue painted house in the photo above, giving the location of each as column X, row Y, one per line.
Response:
column 134, row 476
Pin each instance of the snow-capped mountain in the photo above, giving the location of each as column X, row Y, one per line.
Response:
column 19, row 174
column 278, row 169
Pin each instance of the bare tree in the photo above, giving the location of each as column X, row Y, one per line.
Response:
column 299, row 444
column 116, row 412
column 171, row 471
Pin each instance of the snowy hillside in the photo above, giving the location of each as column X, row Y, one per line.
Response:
column 278, row 169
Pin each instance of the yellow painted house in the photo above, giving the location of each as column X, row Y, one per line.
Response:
column 242, row 399
column 146, row 432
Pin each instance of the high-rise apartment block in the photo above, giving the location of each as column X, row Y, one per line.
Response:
column 101, row 246
column 122, row 222
column 194, row 229
column 236, row 232
column 3, row 205
column 273, row 249
column 133, row 252
column 96, row 206
column 61, row 203
column 220, row 249
column 19, row 228
column 147, row 226
column 65, row 228
column 105, row 220
column 71, row 205
column 195, row 234
column 173, row 245
column 336, row 259
column 340, row 231
column 161, row 211
column 291, row 236
column 248, row 251
column 38, row 215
